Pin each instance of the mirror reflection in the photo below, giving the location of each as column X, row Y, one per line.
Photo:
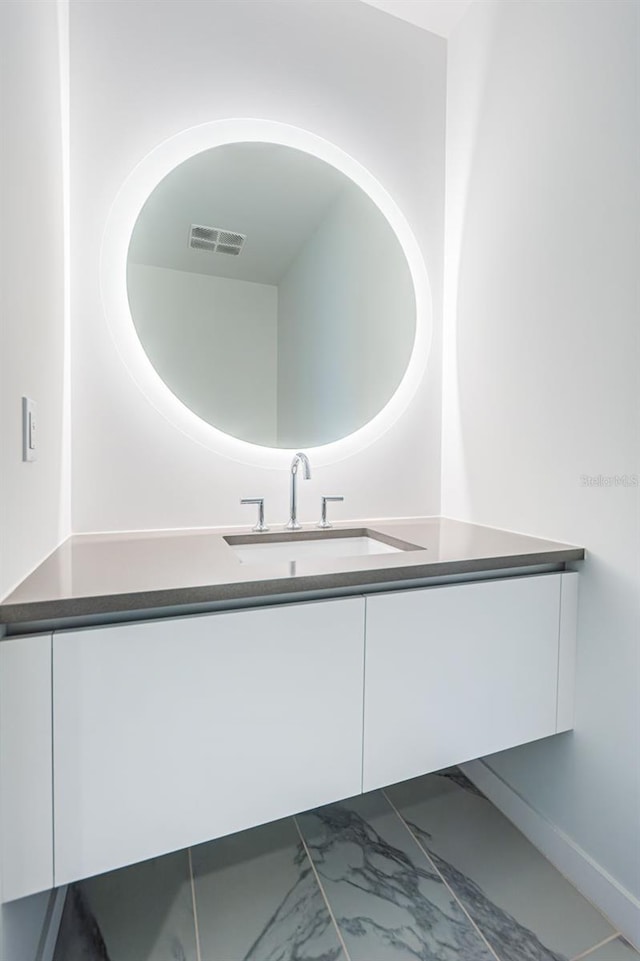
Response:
column 271, row 295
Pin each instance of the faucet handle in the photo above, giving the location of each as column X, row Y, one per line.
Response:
column 323, row 523
column 260, row 526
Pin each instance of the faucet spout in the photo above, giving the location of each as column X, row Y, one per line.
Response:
column 299, row 459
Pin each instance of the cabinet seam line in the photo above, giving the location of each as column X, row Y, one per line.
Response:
column 559, row 650
column 364, row 691
column 53, row 768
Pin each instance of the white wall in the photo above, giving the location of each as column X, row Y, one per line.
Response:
column 140, row 72
column 34, row 497
column 541, row 360
column 214, row 341
column 346, row 324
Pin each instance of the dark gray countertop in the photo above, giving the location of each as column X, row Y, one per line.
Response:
column 107, row 574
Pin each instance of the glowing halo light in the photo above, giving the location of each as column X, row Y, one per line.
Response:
column 123, row 215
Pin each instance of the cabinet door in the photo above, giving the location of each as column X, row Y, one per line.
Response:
column 26, row 851
column 172, row 732
column 457, row 672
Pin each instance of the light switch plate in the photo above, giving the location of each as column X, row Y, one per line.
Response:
column 29, row 429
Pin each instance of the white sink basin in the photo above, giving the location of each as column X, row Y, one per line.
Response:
column 297, row 547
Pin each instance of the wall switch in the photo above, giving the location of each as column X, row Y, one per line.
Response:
column 29, row 429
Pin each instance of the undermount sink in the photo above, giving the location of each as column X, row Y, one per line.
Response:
column 271, row 548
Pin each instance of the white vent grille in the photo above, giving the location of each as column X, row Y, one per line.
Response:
column 216, row 240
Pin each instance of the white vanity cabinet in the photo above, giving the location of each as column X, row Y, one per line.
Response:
column 460, row 671
column 26, row 804
column 172, row 732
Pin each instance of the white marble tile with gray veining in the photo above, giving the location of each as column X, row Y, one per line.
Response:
column 524, row 907
column 257, row 899
column 140, row 913
column 79, row 935
column 617, row 950
column 388, row 901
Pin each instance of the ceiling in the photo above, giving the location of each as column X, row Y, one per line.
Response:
column 437, row 16
column 275, row 195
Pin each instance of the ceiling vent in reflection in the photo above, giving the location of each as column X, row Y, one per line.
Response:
column 216, row 240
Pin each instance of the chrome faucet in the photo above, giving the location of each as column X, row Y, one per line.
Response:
column 300, row 458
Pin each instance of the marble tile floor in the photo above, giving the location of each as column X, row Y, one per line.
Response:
column 425, row 870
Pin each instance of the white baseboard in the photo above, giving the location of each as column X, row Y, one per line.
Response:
column 597, row 885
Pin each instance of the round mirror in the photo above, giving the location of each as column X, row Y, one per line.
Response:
column 271, row 295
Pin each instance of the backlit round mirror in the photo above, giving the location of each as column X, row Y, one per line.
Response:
column 271, row 295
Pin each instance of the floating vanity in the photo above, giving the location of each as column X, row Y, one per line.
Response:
column 159, row 690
